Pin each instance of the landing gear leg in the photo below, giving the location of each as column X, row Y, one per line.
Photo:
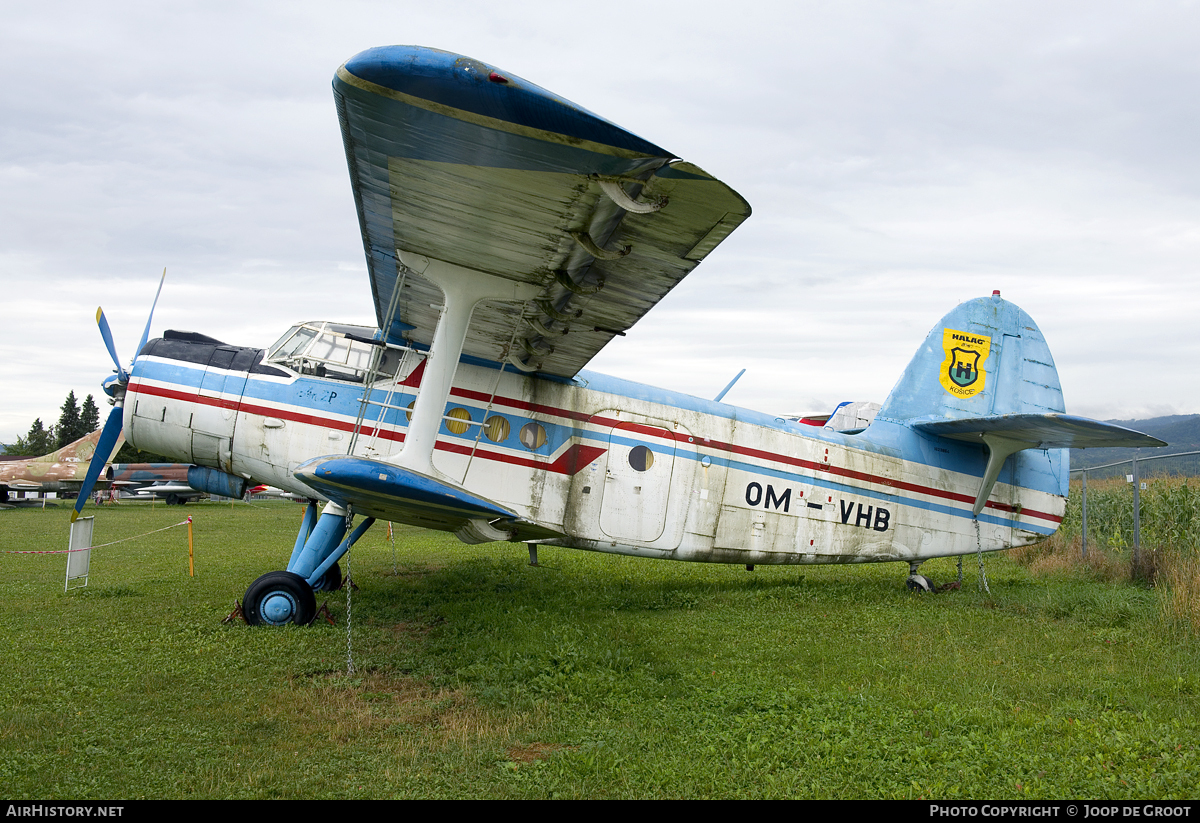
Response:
column 279, row 598
column 917, row 582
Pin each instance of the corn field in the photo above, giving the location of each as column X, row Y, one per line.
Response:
column 1170, row 514
column 1169, row 529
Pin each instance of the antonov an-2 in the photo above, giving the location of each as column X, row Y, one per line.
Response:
column 509, row 236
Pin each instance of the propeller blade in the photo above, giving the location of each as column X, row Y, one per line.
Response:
column 106, row 333
column 104, row 451
column 146, row 333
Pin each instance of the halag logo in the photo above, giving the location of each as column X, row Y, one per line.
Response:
column 962, row 373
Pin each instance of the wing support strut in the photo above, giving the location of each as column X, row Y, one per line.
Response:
column 463, row 289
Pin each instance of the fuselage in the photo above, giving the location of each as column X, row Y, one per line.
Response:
column 601, row 463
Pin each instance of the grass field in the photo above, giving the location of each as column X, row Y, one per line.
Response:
column 591, row 676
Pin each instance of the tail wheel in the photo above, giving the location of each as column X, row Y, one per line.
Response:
column 919, row 583
column 279, row 598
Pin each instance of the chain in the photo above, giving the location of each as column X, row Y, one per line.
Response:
column 348, row 582
column 392, row 541
column 983, row 584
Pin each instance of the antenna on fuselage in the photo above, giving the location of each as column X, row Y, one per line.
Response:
column 725, row 390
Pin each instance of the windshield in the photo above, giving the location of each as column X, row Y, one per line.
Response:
column 333, row 350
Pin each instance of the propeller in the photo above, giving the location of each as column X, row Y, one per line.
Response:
column 114, row 387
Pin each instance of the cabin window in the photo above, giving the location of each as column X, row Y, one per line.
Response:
column 457, row 420
column 332, row 350
column 496, row 428
column 641, row 458
column 533, row 436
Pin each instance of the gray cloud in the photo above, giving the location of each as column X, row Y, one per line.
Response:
column 899, row 158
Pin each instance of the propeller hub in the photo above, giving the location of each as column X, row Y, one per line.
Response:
column 114, row 386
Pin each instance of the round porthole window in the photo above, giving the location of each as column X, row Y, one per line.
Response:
column 496, row 429
column 641, row 458
column 457, row 420
column 533, row 436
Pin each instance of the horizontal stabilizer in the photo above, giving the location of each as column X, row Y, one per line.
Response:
column 1007, row 434
column 1041, row 431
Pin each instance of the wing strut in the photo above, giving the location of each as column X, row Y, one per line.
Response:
column 462, row 289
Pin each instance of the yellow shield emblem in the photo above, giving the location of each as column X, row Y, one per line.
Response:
column 963, row 373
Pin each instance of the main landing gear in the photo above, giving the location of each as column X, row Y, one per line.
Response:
column 279, row 598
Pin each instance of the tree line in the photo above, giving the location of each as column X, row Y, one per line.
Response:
column 75, row 420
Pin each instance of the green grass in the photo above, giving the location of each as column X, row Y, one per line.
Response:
column 591, row 676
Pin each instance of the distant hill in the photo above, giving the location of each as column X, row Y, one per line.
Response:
column 1180, row 431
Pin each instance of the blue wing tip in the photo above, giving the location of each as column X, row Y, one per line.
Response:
column 471, row 85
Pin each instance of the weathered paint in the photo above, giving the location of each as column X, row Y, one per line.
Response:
column 471, row 183
column 603, row 464
column 61, row 471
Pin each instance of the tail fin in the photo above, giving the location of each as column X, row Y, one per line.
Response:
column 80, row 451
column 985, row 375
column 986, row 357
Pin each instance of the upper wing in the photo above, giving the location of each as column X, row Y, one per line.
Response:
column 453, row 160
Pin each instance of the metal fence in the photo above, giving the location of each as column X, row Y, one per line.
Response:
column 1136, row 471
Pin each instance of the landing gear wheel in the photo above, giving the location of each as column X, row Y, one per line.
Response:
column 331, row 581
column 279, row 598
column 919, row 583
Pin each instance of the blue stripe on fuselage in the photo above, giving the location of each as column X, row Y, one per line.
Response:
column 904, row 443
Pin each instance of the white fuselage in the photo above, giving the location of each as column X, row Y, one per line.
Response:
column 614, row 466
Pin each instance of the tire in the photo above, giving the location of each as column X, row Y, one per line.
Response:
column 279, row 598
column 919, row 583
column 331, row 581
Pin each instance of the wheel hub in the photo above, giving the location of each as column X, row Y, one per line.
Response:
column 278, row 608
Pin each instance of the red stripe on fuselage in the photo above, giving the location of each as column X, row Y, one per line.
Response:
column 571, row 461
column 747, row 451
column 550, row 411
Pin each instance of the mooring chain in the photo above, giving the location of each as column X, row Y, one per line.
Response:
column 392, row 541
column 348, row 582
column 983, row 584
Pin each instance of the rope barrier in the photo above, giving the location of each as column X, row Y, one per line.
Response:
column 102, row 545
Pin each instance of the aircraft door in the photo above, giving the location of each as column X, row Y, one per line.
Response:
column 637, row 482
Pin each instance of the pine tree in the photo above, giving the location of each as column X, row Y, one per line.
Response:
column 37, row 442
column 70, row 426
column 89, row 415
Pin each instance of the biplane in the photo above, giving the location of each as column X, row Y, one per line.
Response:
column 510, row 235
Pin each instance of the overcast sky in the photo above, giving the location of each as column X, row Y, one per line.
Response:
column 899, row 158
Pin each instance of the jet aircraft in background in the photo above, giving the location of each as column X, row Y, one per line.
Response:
column 62, row 471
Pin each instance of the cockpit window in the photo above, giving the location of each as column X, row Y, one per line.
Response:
column 297, row 338
column 336, row 351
